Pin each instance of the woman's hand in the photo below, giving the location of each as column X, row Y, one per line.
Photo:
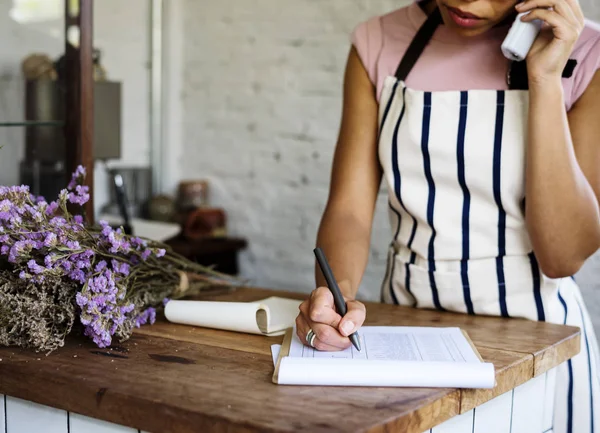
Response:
column 550, row 52
column 331, row 330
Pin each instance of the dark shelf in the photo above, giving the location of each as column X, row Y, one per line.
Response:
column 221, row 253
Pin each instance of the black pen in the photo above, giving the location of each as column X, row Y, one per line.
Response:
column 338, row 298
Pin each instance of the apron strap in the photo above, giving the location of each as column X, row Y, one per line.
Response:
column 517, row 78
column 418, row 44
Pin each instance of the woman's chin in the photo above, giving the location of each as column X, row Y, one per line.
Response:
column 469, row 32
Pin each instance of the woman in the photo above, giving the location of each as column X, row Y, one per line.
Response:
column 493, row 172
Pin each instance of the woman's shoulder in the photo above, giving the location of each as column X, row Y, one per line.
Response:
column 587, row 55
column 370, row 35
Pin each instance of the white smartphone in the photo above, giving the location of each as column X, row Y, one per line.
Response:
column 520, row 38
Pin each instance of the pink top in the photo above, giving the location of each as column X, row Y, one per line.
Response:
column 446, row 64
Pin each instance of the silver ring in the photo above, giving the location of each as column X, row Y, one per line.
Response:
column 310, row 337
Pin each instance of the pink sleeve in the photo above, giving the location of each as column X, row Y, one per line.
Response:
column 367, row 38
column 587, row 54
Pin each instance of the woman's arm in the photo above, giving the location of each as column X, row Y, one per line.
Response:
column 345, row 230
column 563, row 153
column 563, row 177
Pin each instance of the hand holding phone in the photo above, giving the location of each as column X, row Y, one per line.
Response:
column 520, row 38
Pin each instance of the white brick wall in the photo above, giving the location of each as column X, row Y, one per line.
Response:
column 261, row 109
column 261, row 91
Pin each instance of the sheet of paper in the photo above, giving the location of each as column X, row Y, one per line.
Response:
column 399, row 344
column 391, row 356
column 230, row 316
column 275, row 349
column 235, row 316
column 282, row 313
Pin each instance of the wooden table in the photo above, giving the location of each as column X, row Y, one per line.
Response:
column 174, row 378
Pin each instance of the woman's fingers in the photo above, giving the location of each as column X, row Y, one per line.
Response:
column 328, row 338
column 354, row 318
column 567, row 9
column 318, row 313
column 562, row 28
column 302, row 329
column 322, row 308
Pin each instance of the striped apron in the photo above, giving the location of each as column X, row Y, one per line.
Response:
column 454, row 166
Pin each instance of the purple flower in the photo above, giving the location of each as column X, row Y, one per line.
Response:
column 76, row 177
column 106, row 229
column 137, row 242
column 20, row 249
column 22, row 190
column 34, row 267
column 73, row 245
column 80, row 196
column 100, row 336
column 5, row 210
column 51, row 209
column 100, row 313
column 82, row 264
column 58, row 222
column 40, row 243
column 64, row 194
column 127, row 309
column 77, row 275
column 120, row 267
column 87, row 254
column 100, row 266
column 147, row 316
column 117, row 243
column 49, row 260
column 124, row 269
column 67, row 265
column 81, row 300
column 98, row 284
column 50, row 240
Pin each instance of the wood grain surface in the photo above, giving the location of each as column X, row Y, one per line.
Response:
column 175, row 378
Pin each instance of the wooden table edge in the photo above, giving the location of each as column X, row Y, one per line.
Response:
column 571, row 346
column 452, row 398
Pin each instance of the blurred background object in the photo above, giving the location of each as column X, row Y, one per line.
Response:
column 38, row 67
column 43, row 167
column 192, row 194
column 138, row 190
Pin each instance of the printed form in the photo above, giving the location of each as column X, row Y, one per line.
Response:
column 390, row 356
column 400, row 344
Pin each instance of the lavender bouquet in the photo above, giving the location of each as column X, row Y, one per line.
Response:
column 57, row 274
